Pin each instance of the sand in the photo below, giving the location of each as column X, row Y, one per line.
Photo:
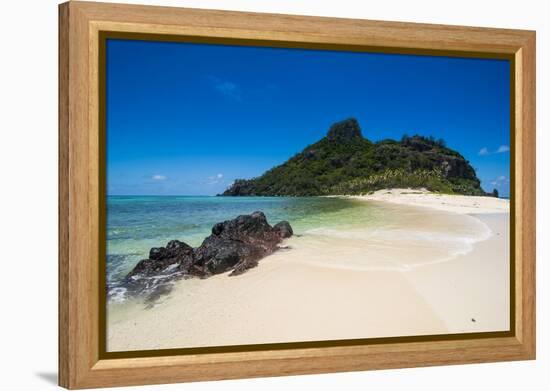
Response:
column 447, row 273
column 450, row 203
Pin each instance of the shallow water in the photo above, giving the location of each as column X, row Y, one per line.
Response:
column 404, row 238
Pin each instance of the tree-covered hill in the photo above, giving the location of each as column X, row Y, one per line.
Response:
column 344, row 162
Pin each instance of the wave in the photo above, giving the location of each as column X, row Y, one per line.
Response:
column 419, row 240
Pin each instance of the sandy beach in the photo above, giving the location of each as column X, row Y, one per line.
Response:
column 445, row 202
column 441, row 267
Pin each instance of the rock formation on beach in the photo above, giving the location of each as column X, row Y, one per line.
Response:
column 344, row 162
column 235, row 245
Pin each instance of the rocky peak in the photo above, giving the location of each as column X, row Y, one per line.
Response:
column 345, row 131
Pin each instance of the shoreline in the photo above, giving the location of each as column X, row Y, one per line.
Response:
column 462, row 204
column 346, row 283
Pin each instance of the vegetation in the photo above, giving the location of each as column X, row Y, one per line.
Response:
column 344, row 162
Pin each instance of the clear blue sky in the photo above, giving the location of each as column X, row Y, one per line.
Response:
column 187, row 119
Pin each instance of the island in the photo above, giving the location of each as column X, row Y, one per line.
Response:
column 344, row 162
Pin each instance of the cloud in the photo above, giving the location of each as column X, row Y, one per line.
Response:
column 227, row 88
column 215, row 179
column 502, row 149
column 483, row 151
column 158, row 177
column 500, row 181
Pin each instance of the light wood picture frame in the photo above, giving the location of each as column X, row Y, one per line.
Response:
column 83, row 26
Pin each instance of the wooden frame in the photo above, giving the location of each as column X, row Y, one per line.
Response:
column 81, row 24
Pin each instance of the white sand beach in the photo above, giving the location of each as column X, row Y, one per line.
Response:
column 445, row 202
column 442, row 267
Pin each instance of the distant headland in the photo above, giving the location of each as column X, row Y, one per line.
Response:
column 345, row 162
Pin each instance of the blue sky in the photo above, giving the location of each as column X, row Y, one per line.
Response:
column 187, row 119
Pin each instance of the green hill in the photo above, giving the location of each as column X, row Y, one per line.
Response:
column 344, row 162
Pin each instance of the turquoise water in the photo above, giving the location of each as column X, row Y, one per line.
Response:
column 137, row 223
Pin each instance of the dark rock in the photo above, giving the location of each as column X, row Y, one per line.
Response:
column 217, row 229
column 235, row 245
column 241, row 187
column 284, row 229
column 218, row 255
column 173, row 249
column 243, row 266
column 160, row 258
column 345, row 131
column 246, row 238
